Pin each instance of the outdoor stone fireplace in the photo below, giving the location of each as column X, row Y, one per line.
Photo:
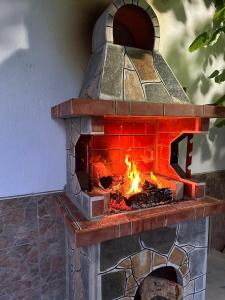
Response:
column 136, row 222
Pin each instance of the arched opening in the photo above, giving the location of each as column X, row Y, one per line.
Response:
column 132, row 27
column 162, row 284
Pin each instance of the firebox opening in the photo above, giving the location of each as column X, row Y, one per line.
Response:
column 161, row 284
column 133, row 27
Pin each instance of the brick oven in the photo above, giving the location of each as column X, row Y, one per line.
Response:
column 136, row 222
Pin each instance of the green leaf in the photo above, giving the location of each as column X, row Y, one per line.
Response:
column 215, row 35
column 220, row 123
column 214, row 74
column 219, row 15
column 200, row 41
column 221, row 77
column 220, row 101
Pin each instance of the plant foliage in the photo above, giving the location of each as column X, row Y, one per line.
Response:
column 209, row 38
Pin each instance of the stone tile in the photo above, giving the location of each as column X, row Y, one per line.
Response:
column 189, row 289
column 198, row 262
column 113, row 285
column 143, row 4
column 200, row 283
column 15, row 203
column 156, row 93
column 159, row 260
column 194, row 233
column 55, row 290
column 125, row 264
column 132, row 86
column 141, row 264
column 34, row 294
column 120, row 248
column 127, row 63
column 18, row 226
column 177, row 256
column 131, row 282
column 143, row 62
column 111, row 84
column 170, row 81
column 19, row 269
column 199, row 296
column 160, row 239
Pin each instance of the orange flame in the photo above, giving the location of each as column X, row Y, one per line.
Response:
column 134, row 176
column 156, row 180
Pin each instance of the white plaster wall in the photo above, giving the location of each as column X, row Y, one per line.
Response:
column 44, row 50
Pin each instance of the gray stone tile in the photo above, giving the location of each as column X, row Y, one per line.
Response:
column 194, row 233
column 198, row 262
column 120, row 248
column 170, row 81
column 111, row 84
column 161, row 239
column 156, row 92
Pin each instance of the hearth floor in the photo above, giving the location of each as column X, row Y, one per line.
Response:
column 124, row 224
column 215, row 286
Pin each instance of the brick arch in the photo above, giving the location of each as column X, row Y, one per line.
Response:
column 103, row 31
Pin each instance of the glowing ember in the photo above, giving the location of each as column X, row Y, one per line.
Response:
column 133, row 175
column 155, row 180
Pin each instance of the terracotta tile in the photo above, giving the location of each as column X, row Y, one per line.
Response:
column 198, row 110
column 137, row 226
column 54, row 112
column 123, row 108
column 204, row 124
column 180, row 216
column 199, row 212
column 212, row 210
column 200, row 191
column 147, row 223
column 179, row 110
column 146, row 109
column 97, row 208
column 125, row 229
column 97, row 124
column 65, row 109
column 93, row 107
column 85, row 238
column 158, row 221
column 211, row 111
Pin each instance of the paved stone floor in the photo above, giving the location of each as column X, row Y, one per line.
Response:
column 216, row 276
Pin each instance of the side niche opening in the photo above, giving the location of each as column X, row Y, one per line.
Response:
column 162, row 284
column 181, row 155
column 82, row 149
column 132, row 27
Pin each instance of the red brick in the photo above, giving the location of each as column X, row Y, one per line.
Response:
column 106, row 142
column 187, row 110
column 165, row 139
column 54, row 112
column 98, row 156
column 144, row 141
column 90, row 107
column 126, row 141
column 151, row 127
column 133, row 128
column 113, row 128
column 113, row 156
column 117, row 169
column 177, row 125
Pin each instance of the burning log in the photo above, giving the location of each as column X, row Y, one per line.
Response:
column 150, row 196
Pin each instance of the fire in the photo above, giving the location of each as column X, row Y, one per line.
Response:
column 134, row 176
column 155, row 180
